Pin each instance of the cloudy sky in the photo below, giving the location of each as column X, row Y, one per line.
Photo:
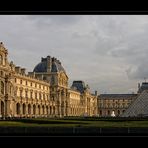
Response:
column 108, row 52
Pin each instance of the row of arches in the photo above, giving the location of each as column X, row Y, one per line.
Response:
column 109, row 112
column 29, row 109
column 2, row 108
column 76, row 111
column 2, row 88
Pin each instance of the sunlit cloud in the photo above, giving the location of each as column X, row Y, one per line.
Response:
column 109, row 52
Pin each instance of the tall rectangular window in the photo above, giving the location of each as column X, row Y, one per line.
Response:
column 2, row 87
column 31, row 95
column 21, row 93
column 26, row 94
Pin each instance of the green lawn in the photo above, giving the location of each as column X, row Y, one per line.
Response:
column 75, row 123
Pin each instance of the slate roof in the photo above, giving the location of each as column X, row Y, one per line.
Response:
column 54, row 64
column 116, row 96
column 143, row 87
column 79, row 85
column 41, row 67
column 56, row 67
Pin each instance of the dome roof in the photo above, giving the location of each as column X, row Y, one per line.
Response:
column 41, row 67
column 49, row 65
column 79, row 85
column 56, row 67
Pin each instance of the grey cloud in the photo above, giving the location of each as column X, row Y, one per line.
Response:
column 139, row 70
column 54, row 20
column 126, row 38
column 102, row 50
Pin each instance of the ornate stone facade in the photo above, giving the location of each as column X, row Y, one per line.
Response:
column 82, row 102
column 41, row 93
column 122, row 104
column 139, row 106
column 114, row 103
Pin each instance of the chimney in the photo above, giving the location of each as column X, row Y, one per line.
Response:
column 18, row 69
column 23, row 70
column 138, row 85
column 59, row 62
column 96, row 93
column 49, row 63
column 32, row 74
column 53, row 59
column 43, row 59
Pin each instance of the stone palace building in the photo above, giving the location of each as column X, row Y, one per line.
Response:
column 124, row 105
column 114, row 104
column 43, row 92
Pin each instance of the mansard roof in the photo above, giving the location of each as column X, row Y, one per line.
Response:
column 49, row 65
column 80, row 86
column 116, row 96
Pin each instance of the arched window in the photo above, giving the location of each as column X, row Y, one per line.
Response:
column 34, row 109
column 24, row 109
column 47, row 110
column 39, row 111
column 100, row 112
column 50, row 110
column 1, row 59
column 43, row 110
column 118, row 112
column 2, row 108
column 2, row 87
column 17, row 108
column 108, row 112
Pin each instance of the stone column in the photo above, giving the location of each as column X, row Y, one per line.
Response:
column 31, row 114
column 59, row 104
column 56, row 110
column 7, row 108
column 62, row 104
column 37, row 111
column 13, row 108
column 41, row 110
column 21, row 109
column 45, row 110
column 26, row 110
